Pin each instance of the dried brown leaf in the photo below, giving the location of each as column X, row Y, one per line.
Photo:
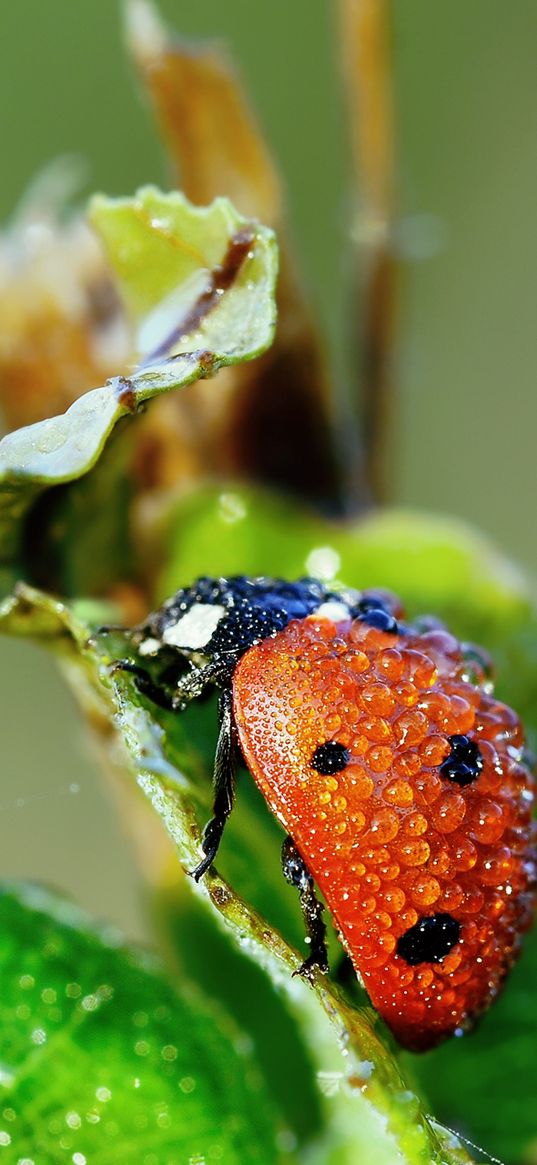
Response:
column 61, row 325
column 271, row 423
column 365, row 49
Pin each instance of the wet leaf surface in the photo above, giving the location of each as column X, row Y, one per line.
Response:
column 104, row 1059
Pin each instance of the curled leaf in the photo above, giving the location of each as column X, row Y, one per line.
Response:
column 200, row 283
column 195, row 279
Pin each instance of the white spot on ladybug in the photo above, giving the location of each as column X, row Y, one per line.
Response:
column 194, row 629
column 149, row 646
column 332, row 610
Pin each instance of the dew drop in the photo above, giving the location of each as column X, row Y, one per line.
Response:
column 169, row 1052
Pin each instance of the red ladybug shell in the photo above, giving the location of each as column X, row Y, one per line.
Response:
column 390, row 839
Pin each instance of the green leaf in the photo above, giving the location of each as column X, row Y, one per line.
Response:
column 192, row 277
column 236, row 530
column 367, row 1105
column 435, row 563
column 200, row 284
column 102, row 1058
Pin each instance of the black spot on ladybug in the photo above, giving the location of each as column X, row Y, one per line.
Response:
column 429, row 940
column 464, row 763
column 330, row 757
column 372, row 612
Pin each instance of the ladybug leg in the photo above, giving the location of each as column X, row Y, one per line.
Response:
column 194, row 685
column 296, row 872
column 224, row 783
column 146, row 685
column 173, row 693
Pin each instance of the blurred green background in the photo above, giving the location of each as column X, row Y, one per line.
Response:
column 465, row 411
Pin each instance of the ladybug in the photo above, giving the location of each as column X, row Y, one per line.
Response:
column 402, row 783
